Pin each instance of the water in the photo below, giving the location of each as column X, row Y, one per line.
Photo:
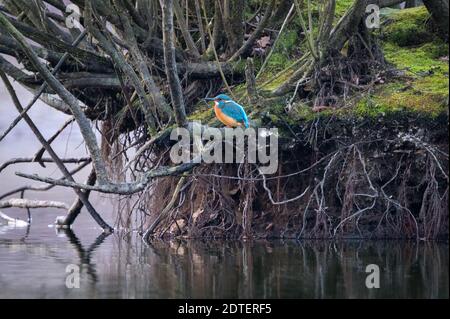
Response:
column 33, row 261
column 33, row 264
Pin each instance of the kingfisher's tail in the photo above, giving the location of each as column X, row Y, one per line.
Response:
column 246, row 122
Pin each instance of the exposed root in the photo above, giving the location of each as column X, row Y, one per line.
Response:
column 358, row 185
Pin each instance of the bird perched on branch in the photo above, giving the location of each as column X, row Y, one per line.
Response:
column 229, row 112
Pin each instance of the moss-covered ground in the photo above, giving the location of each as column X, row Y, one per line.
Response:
column 422, row 59
column 413, row 51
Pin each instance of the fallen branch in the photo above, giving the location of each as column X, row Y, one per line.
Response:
column 13, row 221
column 28, row 203
column 118, row 188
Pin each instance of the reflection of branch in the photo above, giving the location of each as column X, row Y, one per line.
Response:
column 86, row 254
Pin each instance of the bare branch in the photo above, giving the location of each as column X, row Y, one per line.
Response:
column 42, row 188
column 176, row 92
column 28, row 203
column 186, row 35
column 43, row 160
column 262, row 24
column 78, row 113
column 50, row 150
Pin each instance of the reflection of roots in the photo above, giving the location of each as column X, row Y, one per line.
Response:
column 395, row 186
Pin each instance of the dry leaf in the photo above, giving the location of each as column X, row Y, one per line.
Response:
column 264, row 42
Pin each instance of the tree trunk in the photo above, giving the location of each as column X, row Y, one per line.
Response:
column 439, row 12
column 233, row 16
column 176, row 92
column 217, row 33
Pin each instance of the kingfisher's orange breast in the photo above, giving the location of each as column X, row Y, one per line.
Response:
column 225, row 119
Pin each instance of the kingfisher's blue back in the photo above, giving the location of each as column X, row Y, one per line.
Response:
column 232, row 109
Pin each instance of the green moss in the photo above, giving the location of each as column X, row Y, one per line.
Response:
column 408, row 45
column 342, row 6
column 413, row 49
column 239, row 66
column 304, row 112
column 288, row 40
column 275, row 82
column 203, row 113
column 436, row 49
column 417, row 60
column 408, row 27
column 399, row 96
column 286, row 49
column 277, row 62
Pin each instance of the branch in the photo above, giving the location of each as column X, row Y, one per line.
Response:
column 200, row 25
column 43, row 87
column 14, row 221
column 176, row 92
column 213, row 48
column 42, row 188
column 38, row 156
column 43, row 160
column 28, row 203
column 46, row 40
column 158, row 99
column 262, row 24
column 165, row 211
column 276, row 41
column 184, row 31
column 120, row 62
column 119, row 188
column 50, row 150
column 83, row 122
column 346, row 26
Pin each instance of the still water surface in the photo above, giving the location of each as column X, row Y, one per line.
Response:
column 33, row 265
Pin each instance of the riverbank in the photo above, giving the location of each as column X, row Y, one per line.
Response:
column 377, row 167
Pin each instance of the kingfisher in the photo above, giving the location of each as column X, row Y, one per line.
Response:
column 228, row 111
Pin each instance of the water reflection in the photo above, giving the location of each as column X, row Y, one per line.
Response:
column 302, row 270
column 84, row 255
column 122, row 266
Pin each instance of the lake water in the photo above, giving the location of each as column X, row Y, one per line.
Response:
column 34, row 264
column 34, row 261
